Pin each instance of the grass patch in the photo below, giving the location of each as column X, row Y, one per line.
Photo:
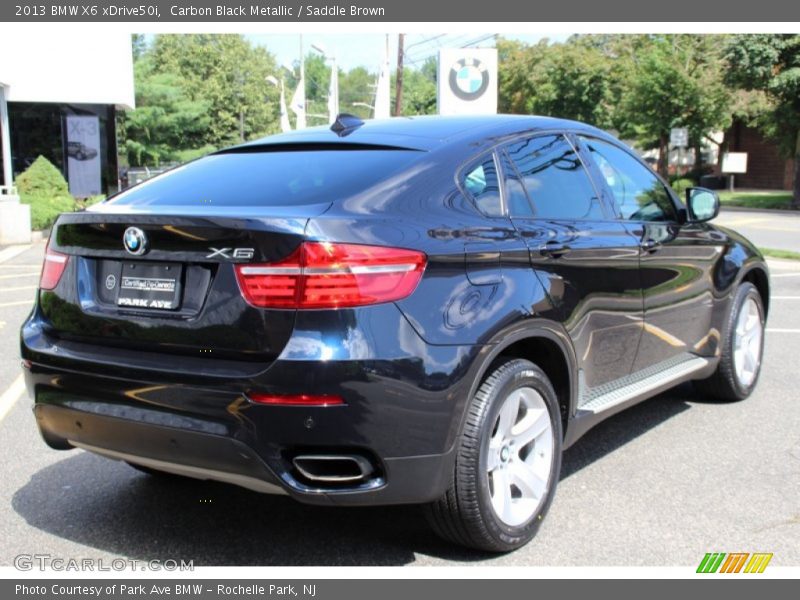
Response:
column 773, row 253
column 775, row 199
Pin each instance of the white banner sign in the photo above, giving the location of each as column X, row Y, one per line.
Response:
column 83, row 156
column 467, row 81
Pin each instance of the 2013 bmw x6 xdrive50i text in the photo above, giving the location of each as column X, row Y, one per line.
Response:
column 423, row 310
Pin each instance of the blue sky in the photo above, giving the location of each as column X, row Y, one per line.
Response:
column 353, row 50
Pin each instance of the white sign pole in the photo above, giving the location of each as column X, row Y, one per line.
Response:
column 8, row 171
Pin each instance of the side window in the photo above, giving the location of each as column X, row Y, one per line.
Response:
column 519, row 205
column 638, row 194
column 481, row 183
column 555, row 179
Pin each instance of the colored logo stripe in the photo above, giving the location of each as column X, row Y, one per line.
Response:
column 758, row 562
column 734, row 562
column 713, row 562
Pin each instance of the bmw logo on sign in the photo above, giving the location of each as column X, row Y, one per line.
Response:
column 469, row 79
column 466, row 81
column 135, row 241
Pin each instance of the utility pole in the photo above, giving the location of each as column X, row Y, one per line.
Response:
column 398, row 93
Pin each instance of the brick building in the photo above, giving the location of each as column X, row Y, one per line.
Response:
column 767, row 168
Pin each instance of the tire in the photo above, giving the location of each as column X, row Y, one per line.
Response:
column 467, row 514
column 730, row 382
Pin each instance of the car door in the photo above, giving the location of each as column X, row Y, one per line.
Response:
column 677, row 261
column 586, row 259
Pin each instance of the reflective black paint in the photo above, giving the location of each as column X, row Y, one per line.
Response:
column 607, row 300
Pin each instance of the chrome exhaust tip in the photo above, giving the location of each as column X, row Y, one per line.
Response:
column 333, row 468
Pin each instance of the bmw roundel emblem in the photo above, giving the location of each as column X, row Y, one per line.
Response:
column 469, row 79
column 135, row 241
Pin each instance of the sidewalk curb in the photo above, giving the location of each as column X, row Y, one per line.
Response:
column 779, row 211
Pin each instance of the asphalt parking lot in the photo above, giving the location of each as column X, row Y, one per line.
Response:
column 659, row 485
column 766, row 229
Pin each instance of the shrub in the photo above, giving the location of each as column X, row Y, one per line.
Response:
column 681, row 185
column 45, row 189
column 84, row 203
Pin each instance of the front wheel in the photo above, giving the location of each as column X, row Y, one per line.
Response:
column 507, row 464
column 741, row 349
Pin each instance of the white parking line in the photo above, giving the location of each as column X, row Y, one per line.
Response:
column 18, row 289
column 779, row 330
column 17, row 303
column 11, row 395
column 12, row 251
column 21, row 266
column 15, row 275
column 776, row 275
column 784, row 297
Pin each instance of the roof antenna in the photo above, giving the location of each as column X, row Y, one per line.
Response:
column 346, row 124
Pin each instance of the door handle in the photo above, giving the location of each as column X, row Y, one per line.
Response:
column 554, row 249
column 650, row 245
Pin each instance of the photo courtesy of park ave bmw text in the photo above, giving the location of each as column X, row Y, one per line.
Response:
column 340, row 300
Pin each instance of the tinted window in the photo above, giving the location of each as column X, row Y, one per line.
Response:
column 481, row 183
column 555, row 179
column 275, row 178
column 519, row 205
column 638, row 194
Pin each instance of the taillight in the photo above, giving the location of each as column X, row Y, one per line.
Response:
column 52, row 269
column 330, row 275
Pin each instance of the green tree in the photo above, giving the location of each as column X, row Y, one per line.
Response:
column 770, row 64
column 572, row 80
column 671, row 81
column 227, row 73
column 419, row 89
column 517, row 64
column 167, row 125
column 138, row 46
column 356, row 88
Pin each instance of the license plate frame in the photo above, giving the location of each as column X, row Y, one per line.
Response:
column 150, row 286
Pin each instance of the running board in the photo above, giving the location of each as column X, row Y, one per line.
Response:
column 642, row 386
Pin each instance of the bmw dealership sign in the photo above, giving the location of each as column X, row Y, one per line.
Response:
column 467, row 81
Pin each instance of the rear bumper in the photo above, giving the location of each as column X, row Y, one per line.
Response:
column 403, row 412
column 209, row 456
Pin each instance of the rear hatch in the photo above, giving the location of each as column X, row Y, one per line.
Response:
column 181, row 295
column 152, row 269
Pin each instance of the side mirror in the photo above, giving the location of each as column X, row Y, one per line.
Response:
column 702, row 205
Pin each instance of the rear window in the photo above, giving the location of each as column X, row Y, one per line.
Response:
column 271, row 178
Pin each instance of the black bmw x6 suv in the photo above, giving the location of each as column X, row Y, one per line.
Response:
column 417, row 310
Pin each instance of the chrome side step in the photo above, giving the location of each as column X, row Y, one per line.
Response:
column 640, row 386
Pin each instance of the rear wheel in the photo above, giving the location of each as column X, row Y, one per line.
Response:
column 741, row 349
column 507, row 464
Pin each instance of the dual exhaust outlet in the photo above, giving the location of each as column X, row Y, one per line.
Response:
column 333, row 468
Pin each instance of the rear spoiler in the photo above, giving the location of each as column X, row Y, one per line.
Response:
column 309, row 146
